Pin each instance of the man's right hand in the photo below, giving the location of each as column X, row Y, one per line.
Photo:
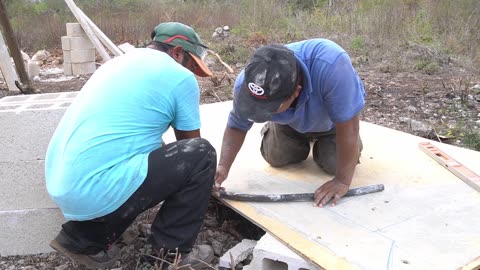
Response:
column 220, row 176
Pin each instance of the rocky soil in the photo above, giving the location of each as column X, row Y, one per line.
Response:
column 444, row 106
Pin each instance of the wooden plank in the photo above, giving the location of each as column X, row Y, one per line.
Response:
column 88, row 30
column 101, row 36
column 473, row 265
column 423, row 219
column 24, row 85
column 6, row 66
column 462, row 172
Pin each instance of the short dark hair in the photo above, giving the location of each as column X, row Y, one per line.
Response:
column 160, row 46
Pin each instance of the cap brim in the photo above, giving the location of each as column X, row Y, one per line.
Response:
column 202, row 70
column 246, row 106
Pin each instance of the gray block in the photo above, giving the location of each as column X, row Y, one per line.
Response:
column 25, row 135
column 28, row 231
column 238, row 253
column 28, row 217
column 83, row 68
column 79, row 56
column 75, row 30
column 22, row 186
column 76, row 43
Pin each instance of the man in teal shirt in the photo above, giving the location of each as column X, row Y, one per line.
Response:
column 105, row 163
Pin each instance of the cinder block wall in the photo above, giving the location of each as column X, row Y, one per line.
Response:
column 28, row 218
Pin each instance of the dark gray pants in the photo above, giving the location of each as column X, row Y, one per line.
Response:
column 282, row 145
column 181, row 174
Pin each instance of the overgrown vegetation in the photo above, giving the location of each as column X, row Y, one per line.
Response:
column 440, row 25
column 423, row 36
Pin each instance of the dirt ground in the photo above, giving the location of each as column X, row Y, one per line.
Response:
column 443, row 106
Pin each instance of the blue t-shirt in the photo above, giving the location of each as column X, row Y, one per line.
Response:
column 332, row 91
column 98, row 156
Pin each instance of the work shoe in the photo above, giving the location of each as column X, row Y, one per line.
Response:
column 104, row 258
column 198, row 258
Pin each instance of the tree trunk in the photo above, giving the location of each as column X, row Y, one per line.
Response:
column 12, row 45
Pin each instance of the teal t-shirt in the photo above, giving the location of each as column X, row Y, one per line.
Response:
column 98, row 155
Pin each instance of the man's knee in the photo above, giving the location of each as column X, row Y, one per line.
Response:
column 200, row 146
column 280, row 149
column 325, row 153
column 205, row 158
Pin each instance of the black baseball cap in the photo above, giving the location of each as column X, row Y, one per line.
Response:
column 269, row 79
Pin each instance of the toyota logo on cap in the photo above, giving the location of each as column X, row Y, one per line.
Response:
column 256, row 90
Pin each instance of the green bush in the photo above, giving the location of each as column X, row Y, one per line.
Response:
column 357, row 43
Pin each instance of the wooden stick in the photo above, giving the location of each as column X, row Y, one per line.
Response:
column 230, row 70
column 101, row 36
column 12, row 44
column 6, row 66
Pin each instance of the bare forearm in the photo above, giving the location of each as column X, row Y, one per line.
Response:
column 348, row 141
column 232, row 142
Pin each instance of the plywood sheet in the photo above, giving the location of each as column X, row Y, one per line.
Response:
column 426, row 218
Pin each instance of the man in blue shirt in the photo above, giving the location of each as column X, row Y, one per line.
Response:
column 107, row 162
column 307, row 91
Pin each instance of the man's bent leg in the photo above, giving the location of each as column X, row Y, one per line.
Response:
column 170, row 170
column 325, row 152
column 186, row 172
column 282, row 145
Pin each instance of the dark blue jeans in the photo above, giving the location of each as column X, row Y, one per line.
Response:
column 181, row 174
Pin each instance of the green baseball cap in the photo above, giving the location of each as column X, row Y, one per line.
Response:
column 179, row 34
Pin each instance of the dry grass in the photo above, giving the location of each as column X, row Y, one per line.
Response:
column 361, row 25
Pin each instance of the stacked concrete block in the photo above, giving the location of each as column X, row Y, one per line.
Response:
column 28, row 217
column 270, row 254
column 78, row 51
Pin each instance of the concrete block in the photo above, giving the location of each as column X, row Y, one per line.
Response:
column 83, row 68
column 66, row 43
column 75, row 30
column 270, row 254
column 28, row 231
column 28, row 217
column 33, row 69
column 22, row 186
column 26, row 134
column 22, row 103
column 67, row 69
column 76, row 43
column 239, row 253
column 79, row 56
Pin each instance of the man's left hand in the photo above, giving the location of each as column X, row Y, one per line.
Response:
column 332, row 190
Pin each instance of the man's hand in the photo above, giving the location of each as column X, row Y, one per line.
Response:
column 220, row 176
column 333, row 189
